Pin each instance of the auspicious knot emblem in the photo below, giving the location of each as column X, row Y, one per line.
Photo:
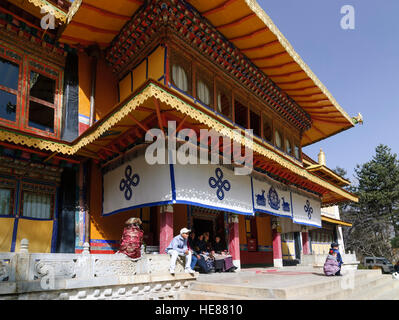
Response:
column 219, row 183
column 308, row 209
column 129, row 181
column 273, row 198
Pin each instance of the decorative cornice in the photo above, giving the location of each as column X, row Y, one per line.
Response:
column 50, row 8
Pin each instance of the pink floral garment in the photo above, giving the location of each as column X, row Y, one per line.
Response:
column 132, row 239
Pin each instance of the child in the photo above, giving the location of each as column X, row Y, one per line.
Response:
column 334, row 248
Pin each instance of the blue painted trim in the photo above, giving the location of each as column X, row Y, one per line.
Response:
column 181, row 91
column 14, row 235
column 161, row 78
column 307, row 224
column 9, row 216
column 172, row 181
column 104, row 241
column 35, row 219
column 252, row 191
column 272, row 213
column 213, row 207
column 55, row 223
column 292, row 207
column 83, row 116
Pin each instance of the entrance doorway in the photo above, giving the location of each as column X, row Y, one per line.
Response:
column 201, row 225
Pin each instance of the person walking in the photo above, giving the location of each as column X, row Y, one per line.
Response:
column 178, row 247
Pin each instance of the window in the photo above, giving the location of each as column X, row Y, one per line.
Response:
column 41, row 102
column 37, row 95
column 267, row 130
column 179, row 77
column 6, row 201
column 288, row 148
column 223, row 102
column 277, row 139
column 241, row 114
column 297, row 152
column 9, row 75
column 203, row 92
column 37, row 201
column 255, row 122
column 37, row 205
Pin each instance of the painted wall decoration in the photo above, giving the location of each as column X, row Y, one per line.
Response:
column 136, row 184
column 271, row 199
column 306, row 210
column 214, row 187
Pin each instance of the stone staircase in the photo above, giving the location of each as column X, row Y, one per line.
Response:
column 360, row 285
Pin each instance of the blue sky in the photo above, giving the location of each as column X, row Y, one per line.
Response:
column 359, row 67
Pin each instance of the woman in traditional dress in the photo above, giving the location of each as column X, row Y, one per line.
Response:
column 132, row 239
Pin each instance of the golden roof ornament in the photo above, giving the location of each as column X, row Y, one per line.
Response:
column 322, row 157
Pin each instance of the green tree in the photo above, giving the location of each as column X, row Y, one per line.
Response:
column 375, row 216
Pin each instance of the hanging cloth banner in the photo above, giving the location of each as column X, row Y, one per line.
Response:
column 213, row 186
column 306, row 210
column 136, row 184
column 271, row 199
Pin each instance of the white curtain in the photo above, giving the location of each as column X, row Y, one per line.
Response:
column 5, row 198
column 203, row 92
column 180, row 77
column 36, row 205
column 278, row 139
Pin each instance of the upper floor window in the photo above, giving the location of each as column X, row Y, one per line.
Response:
column 255, row 122
column 41, row 102
column 277, row 139
column 9, row 76
column 240, row 114
column 29, row 96
column 288, row 148
column 204, row 87
column 179, row 77
column 297, row 152
column 223, row 101
column 267, row 130
column 6, row 201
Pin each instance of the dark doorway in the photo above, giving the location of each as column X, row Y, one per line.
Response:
column 298, row 246
column 201, row 225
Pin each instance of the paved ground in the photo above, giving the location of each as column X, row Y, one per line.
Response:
column 269, row 277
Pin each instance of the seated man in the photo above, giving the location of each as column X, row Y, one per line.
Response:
column 178, row 247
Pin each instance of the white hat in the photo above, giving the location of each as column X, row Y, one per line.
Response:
column 185, row 230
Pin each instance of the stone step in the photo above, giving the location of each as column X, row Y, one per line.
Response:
column 382, row 291
column 203, row 295
column 237, row 290
column 329, row 285
column 349, row 290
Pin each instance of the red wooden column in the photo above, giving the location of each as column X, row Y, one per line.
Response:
column 305, row 242
column 277, row 249
column 165, row 227
column 234, row 240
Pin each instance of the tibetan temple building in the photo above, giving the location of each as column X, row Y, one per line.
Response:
column 82, row 83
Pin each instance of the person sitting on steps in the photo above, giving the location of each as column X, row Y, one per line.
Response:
column 178, row 247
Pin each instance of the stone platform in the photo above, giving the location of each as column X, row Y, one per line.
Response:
column 86, row 276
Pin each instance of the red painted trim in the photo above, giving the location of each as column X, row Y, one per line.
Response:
column 223, row 6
